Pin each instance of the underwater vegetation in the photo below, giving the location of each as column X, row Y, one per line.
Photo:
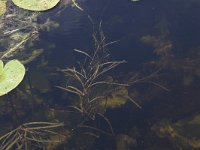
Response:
column 30, row 135
column 87, row 81
column 19, row 30
column 91, row 84
column 185, row 131
column 145, row 99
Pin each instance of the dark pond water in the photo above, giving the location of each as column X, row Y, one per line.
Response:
column 151, row 102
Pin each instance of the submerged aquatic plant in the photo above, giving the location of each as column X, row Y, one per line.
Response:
column 19, row 30
column 90, row 82
column 29, row 135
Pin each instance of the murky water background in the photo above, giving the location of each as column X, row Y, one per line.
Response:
column 160, row 42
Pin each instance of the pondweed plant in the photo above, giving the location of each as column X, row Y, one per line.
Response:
column 90, row 82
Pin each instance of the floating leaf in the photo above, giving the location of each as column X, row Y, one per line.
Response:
column 10, row 75
column 36, row 5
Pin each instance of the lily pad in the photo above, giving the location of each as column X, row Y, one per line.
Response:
column 10, row 75
column 36, row 5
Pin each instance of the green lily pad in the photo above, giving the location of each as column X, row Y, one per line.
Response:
column 10, row 75
column 36, row 5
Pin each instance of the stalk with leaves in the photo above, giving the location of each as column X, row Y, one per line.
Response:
column 89, row 80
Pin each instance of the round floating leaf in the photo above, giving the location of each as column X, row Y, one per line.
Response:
column 10, row 75
column 36, row 5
